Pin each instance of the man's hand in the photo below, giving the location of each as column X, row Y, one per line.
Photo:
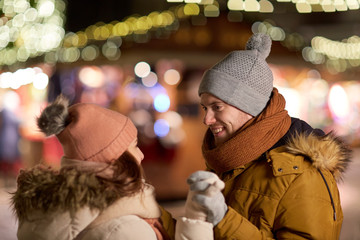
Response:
column 205, row 200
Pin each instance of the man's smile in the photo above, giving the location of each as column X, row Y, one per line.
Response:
column 217, row 130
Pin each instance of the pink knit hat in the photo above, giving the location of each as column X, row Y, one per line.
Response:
column 87, row 131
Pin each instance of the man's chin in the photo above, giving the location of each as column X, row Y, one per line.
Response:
column 219, row 140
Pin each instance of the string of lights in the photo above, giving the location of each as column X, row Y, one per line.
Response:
column 29, row 30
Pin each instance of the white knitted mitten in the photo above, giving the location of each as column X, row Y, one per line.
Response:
column 204, row 187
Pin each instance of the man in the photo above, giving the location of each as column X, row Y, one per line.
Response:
column 280, row 174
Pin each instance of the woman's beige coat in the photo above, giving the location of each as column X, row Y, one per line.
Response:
column 75, row 205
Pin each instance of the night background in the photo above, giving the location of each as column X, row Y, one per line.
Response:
column 106, row 52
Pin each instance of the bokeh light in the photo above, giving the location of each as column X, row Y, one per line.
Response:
column 162, row 103
column 161, row 128
column 41, row 81
column 172, row 77
column 338, row 102
column 142, row 69
column 90, row 53
column 23, row 77
column 150, row 80
column 92, row 76
column 11, row 100
column 140, row 117
column 293, row 101
column 173, row 118
column 29, row 29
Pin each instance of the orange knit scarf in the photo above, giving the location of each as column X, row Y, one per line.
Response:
column 253, row 139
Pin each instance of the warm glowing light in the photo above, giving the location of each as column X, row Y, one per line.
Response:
column 173, row 118
column 142, row 69
column 303, row 7
column 89, row 53
column 4, row 36
column 5, row 80
column 11, row 100
column 92, row 76
column 293, row 101
column 353, row 4
column 150, row 80
column 207, row 2
column 30, row 29
column 172, row 77
column 347, row 49
column 192, row 1
column 80, row 40
column 235, row 5
column 191, row 9
column 41, row 81
column 266, row 6
column 310, row 55
column 251, row 6
column 328, row 6
column 140, row 117
column 276, row 34
column 111, row 50
column 30, row 15
column 23, row 77
column 21, row 6
column 211, row 11
column 338, row 101
column 46, row 8
column 69, row 54
column 22, row 54
column 121, row 29
column 318, row 91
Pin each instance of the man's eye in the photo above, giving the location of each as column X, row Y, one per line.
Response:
column 204, row 108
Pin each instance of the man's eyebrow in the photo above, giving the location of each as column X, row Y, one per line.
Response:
column 212, row 103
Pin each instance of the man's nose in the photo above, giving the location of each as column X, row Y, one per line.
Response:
column 209, row 118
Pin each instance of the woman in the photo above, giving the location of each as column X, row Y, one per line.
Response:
column 99, row 191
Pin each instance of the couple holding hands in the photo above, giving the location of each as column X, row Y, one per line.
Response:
column 268, row 176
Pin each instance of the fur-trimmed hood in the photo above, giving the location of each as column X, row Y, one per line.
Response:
column 42, row 188
column 73, row 204
column 326, row 152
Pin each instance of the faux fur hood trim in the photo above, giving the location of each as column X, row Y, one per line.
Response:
column 325, row 152
column 142, row 204
column 42, row 188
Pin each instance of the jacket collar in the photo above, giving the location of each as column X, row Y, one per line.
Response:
column 326, row 152
column 43, row 188
column 142, row 204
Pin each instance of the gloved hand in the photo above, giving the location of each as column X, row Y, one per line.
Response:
column 205, row 200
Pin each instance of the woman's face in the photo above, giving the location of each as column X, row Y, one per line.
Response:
column 135, row 151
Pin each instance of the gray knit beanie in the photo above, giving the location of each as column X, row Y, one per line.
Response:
column 242, row 79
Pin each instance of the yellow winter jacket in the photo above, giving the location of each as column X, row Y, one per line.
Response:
column 291, row 193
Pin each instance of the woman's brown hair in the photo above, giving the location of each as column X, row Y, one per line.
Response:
column 128, row 176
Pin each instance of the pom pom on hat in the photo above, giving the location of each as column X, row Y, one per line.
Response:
column 53, row 118
column 242, row 79
column 260, row 42
column 87, row 131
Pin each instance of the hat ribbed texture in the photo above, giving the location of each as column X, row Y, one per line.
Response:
column 242, row 79
column 96, row 134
